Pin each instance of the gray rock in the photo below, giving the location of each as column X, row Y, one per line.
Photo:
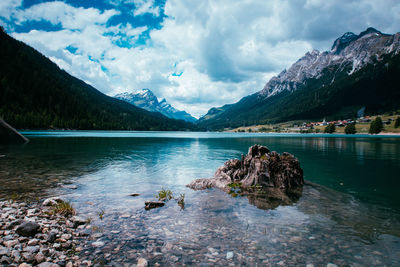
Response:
column 32, row 249
column 39, row 258
column 4, row 251
column 5, row 260
column 14, row 223
column 98, row 244
column 48, row 264
column 28, row 256
column 78, row 221
column 51, row 237
column 229, row 255
column 28, row 229
column 51, row 201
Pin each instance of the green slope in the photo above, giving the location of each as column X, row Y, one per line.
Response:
column 376, row 87
column 35, row 93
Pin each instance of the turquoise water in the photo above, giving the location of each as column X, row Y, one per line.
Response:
column 351, row 217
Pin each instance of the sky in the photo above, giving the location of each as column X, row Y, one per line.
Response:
column 197, row 54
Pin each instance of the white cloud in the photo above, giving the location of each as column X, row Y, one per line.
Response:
column 68, row 16
column 224, row 49
column 146, row 7
column 8, row 8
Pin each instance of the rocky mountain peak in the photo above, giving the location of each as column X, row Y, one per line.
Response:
column 368, row 31
column 349, row 53
column 342, row 42
column 147, row 100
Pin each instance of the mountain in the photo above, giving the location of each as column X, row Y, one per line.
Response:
column 36, row 94
column 359, row 71
column 147, row 100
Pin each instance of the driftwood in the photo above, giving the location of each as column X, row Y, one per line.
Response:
column 8, row 135
column 268, row 179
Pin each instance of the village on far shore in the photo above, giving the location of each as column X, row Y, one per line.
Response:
column 362, row 125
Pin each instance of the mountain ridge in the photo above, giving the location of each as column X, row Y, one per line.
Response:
column 147, row 100
column 320, row 72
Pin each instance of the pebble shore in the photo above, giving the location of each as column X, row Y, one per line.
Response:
column 30, row 235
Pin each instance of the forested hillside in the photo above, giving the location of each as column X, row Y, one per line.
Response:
column 36, row 94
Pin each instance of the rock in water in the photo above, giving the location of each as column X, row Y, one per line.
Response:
column 153, row 204
column 9, row 135
column 267, row 178
column 28, row 229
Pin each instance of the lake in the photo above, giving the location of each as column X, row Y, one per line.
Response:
column 348, row 215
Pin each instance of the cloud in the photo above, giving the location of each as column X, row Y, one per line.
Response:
column 223, row 49
column 67, row 16
column 146, row 7
column 8, row 8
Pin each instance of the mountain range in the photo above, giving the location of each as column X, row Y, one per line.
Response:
column 36, row 94
column 146, row 99
column 359, row 71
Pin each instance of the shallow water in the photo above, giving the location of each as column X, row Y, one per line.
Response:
column 351, row 217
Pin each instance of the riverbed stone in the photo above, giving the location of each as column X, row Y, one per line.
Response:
column 142, row 262
column 28, row 228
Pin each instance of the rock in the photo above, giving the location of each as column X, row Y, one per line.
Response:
column 9, row 135
column 24, row 265
column 70, row 186
column 51, row 237
column 4, row 251
column 39, row 258
column 134, row 194
column 33, row 242
column 51, row 201
column 153, row 204
column 7, row 260
column 98, row 244
column 28, row 229
column 331, row 265
column 268, row 178
column 142, row 262
column 229, row 255
column 28, row 256
column 78, row 221
column 48, row 264
column 14, row 223
column 32, row 249
column 11, row 243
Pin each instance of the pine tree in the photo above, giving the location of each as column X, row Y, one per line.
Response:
column 330, row 128
column 376, row 126
column 350, row 129
column 397, row 122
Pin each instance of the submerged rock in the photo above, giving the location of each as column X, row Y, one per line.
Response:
column 153, row 204
column 269, row 179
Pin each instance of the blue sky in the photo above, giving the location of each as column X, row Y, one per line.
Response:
column 196, row 54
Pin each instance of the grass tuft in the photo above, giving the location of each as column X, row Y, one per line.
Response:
column 164, row 195
column 63, row 208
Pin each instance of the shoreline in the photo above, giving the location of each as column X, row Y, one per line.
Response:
column 31, row 234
